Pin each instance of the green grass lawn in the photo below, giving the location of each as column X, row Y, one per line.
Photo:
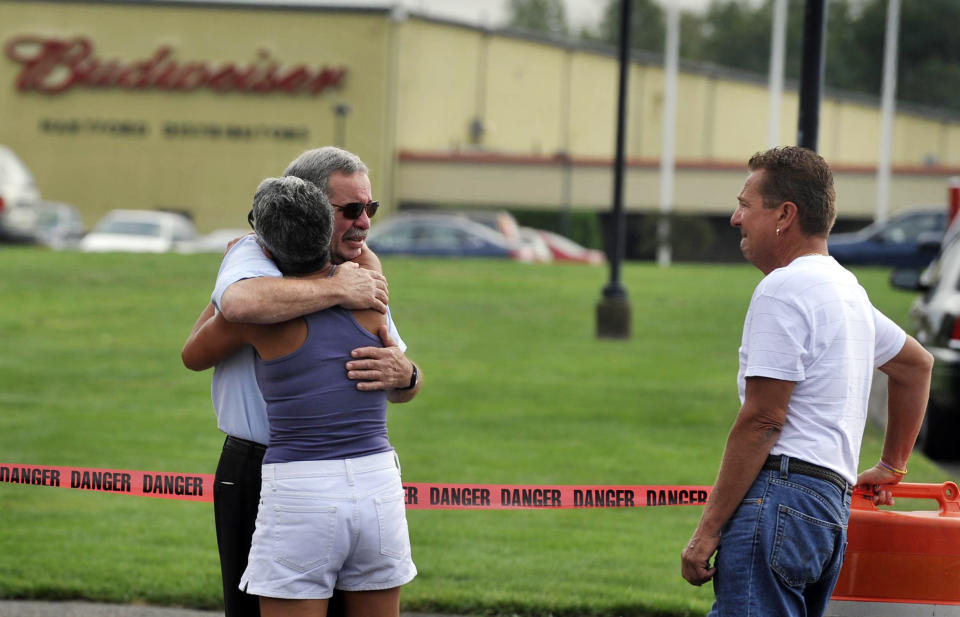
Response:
column 518, row 390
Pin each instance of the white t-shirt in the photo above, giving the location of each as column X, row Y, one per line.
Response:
column 812, row 323
column 237, row 401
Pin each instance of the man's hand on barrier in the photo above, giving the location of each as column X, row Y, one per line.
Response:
column 871, row 480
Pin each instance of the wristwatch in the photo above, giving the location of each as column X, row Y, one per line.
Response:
column 413, row 378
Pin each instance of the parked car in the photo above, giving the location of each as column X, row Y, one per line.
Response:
column 18, row 195
column 441, row 235
column 909, row 239
column 935, row 321
column 532, row 239
column 565, row 249
column 497, row 220
column 139, row 231
column 58, row 225
column 213, row 242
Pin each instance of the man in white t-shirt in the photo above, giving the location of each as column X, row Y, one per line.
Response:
column 777, row 516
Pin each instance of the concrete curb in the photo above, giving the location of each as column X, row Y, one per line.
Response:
column 34, row 608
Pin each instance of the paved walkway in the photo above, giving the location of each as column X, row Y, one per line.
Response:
column 31, row 608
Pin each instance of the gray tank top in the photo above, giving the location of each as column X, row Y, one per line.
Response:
column 315, row 411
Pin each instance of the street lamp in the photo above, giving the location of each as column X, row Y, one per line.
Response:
column 613, row 311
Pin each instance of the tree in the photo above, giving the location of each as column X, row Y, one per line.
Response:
column 928, row 70
column 647, row 28
column 736, row 33
column 540, row 16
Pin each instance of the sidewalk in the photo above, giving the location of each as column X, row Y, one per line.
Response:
column 34, row 608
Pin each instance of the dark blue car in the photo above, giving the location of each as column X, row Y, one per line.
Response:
column 908, row 240
column 441, row 235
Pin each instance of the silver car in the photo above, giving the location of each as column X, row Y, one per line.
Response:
column 18, row 195
column 139, row 231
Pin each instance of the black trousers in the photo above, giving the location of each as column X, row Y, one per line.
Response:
column 236, row 496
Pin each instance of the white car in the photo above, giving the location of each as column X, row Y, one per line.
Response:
column 18, row 195
column 139, row 231
column 214, row 242
column 58, row 226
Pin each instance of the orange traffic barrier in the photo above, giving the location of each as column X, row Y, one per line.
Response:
column 901, row 563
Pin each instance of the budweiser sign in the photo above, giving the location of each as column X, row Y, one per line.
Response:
column 53, row 65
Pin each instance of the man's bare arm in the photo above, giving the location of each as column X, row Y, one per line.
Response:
column 908, row 384
column 266, row 300
column 908, row 388
column 754, row 433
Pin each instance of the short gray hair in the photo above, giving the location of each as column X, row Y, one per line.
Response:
column 294, row 221
column 316, row 165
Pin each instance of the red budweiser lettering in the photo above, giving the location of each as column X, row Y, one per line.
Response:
column 53, row 66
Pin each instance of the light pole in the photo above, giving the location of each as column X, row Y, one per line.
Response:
column 811, row 73
column 613, row 311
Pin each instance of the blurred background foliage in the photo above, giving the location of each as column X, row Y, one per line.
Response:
column 736, row 33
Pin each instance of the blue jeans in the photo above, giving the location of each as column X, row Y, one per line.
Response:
column 780, row 553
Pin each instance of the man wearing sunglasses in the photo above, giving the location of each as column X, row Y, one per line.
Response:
column 250, row 288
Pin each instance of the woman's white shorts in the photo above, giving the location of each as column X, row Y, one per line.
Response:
column 330, row 524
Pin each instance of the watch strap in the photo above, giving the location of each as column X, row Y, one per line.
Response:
column 414, row 376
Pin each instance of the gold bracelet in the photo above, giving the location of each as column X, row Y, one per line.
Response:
column 884, row 465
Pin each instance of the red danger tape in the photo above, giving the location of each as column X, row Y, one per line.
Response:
column 433, row 496
column 418, row 495
column 190, row 487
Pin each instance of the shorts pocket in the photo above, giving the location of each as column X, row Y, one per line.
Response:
column 392, row 517
column 804, row 547
column 303, row 535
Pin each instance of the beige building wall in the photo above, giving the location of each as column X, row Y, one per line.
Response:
column 852, row 134
column 721, row 121
column 950, row 140
column 414, row 87
column 919, row 139
column 213, row 177
column 740, row 120
column 438, row 85
column 789, row 116
column 592, row 104
column 524, row 87
column 699, row 189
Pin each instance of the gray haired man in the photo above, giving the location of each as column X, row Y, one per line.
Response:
column 250, row 288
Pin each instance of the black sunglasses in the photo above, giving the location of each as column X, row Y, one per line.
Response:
column 354, row 210
column 350, row 211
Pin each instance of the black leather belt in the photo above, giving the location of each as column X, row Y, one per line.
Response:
column 244, row 446
column 808, row 469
